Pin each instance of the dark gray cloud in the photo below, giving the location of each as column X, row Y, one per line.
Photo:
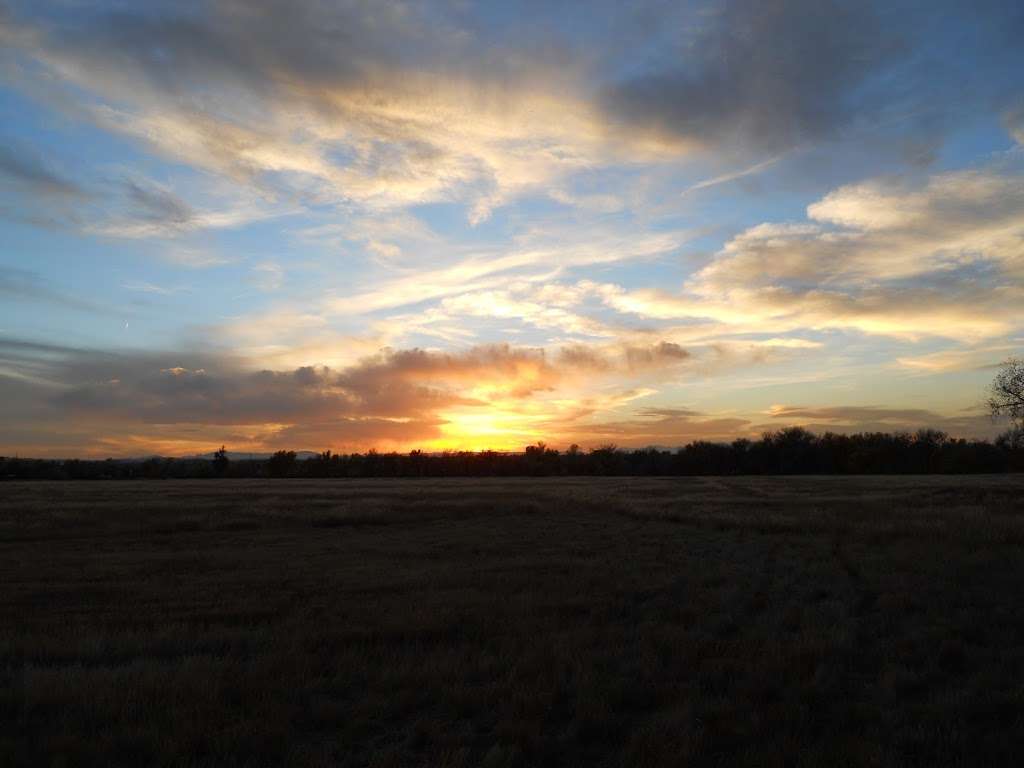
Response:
column 774, row 71
column 778, row 73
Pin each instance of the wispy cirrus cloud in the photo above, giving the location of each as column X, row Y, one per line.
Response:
column 984, row 357
column 540, row 263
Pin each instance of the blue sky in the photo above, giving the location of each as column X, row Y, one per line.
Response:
column 464, row 225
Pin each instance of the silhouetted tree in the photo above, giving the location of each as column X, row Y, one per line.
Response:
column 795, row 450
column 791, row 450
column 604, row 460
column 220, row 462
column 1006, row 397
column 928, row 450
column 281, row 464
column 540, row 460
column 1012, row 439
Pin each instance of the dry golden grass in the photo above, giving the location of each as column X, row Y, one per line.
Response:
column 513, row 622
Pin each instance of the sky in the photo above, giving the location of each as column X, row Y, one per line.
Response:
column 444, row 225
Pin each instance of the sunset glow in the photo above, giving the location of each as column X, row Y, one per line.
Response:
column 400, row 225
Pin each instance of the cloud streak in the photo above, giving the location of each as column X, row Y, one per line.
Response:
column 21, row 166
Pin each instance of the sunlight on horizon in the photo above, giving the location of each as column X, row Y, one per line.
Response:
column 427, row 227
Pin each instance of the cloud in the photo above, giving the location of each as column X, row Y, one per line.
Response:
column 434, row 394
column 21, row 165
column 885, row 230
column 850, row 414
column 655, row 355
column 389, row 104
column 371, row 103
column 882, row 419
column 158, row 204
column 528, row 262
column 33, row 191
column 894, row 312
column 139, row 390
column 384, row 105
column 671, row 427
column 774, row 74
column 499, row 369
column 143, row 209
column 102, row 403
column 124, row 208
column 520, row 305
column 780, row 74
column 355, row 434
column 938, row 257
column 978, row 358
column 725, row 178
column 356, row 114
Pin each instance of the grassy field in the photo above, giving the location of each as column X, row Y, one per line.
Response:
column 779, row 621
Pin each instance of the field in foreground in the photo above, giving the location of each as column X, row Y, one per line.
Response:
column 601, row 621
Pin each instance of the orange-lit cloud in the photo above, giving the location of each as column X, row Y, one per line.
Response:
column 494, row 396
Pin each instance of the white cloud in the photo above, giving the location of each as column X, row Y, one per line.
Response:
column 960, row 235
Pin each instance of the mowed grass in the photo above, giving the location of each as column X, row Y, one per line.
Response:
column 783, row 621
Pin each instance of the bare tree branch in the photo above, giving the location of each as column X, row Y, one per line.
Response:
column 1006, row 396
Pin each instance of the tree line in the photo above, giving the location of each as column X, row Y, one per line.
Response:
column 788, row 451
